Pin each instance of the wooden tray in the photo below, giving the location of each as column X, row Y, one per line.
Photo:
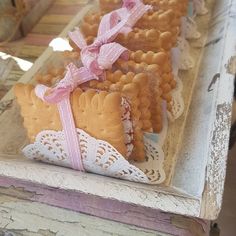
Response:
column 199, row 139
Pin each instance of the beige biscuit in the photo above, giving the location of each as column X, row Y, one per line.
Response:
column 89, row 29
column 150, row 57
column 109, row 5
column 161, row 19
column 145, row 39
column 52, row 76
column 155, row 81
column 178, row 5
column 162, row 61
column 163, row 28
column 134, row 87
column 152, row 39
column 99, row 114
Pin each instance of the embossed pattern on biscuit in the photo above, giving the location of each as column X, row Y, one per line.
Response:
column 178, row 5
column 98, row 113
column 148, row 38
column 51, row 76
column 158, row 64
column 133, row 87
column 155, row 81
column 161, row 19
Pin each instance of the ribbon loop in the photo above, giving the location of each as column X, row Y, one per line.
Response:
column 109, row 54
column 77, row 37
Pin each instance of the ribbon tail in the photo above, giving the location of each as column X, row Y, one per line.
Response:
column 40, row 91
column 137, row 12
column 71, row 137
column 109, row 54
column 77, row 37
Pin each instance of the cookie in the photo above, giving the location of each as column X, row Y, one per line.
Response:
column 147, row 39
column 135, row 88
column 97, row 113
column 155, row 81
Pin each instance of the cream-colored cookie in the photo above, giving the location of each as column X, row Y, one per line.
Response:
column 155, row 81
column 98, row 113
column 135, row 88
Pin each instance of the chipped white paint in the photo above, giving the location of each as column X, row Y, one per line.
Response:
column 218, row 146
column 20, row 217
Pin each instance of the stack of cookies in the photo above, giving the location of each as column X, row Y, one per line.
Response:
column 130, row 100
column 150, row 44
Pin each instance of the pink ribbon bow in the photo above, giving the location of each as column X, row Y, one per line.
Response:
column 96, row 58
column 102, row 53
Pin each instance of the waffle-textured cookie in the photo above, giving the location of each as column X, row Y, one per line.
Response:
column 98, row 113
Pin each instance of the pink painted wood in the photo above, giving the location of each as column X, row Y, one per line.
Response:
column 65, row 10
column 103, row 208
column 38, row 39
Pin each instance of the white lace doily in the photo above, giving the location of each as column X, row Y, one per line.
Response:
column 191, row 31
column 154, row 155
column 186, row 62
column 200, row 7
column 177, row 102
column 99, row 157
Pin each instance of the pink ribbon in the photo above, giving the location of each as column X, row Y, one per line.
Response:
column 96, row 58
column 102, row 53
column 61, row 96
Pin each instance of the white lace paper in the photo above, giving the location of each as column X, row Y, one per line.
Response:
column 191, row 31
column 200, row 7
column 99, row 157
column 186, row 62
column 177, row 102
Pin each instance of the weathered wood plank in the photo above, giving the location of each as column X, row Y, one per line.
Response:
column 221, row 122
column 31, row 51
column 34, row 15
column 56, row 19
column 105, row 208
column 38, row 39
column 71, row 2
column 65, row 9
column 30, row 218
column 48, row 29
